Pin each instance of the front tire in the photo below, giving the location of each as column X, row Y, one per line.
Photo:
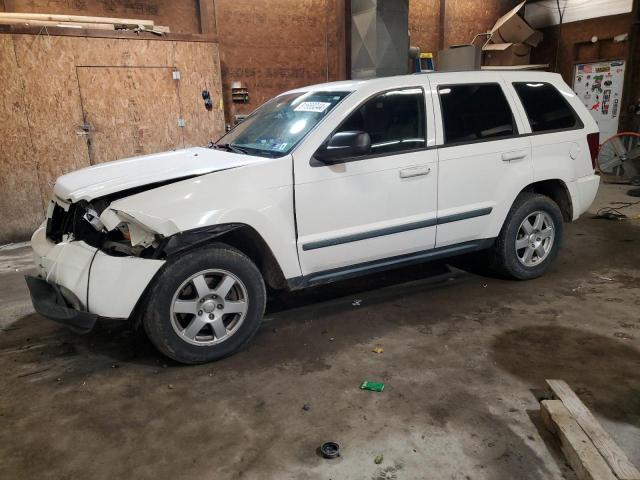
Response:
column 530, row 237
column 205, row 304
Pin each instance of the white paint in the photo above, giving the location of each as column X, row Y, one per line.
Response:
column 330, row 200
column 544, row 13
column 110, row 177
column 116, row 282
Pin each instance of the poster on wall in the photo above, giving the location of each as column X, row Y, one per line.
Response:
column 599, row 87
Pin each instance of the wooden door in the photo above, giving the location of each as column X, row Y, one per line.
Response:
column 129, row 111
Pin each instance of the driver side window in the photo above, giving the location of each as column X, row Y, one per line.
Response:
column 394, row 120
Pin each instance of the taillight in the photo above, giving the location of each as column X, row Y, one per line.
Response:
column 593, row 139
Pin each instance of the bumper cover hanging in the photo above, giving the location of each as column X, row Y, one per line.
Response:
column 48, row 301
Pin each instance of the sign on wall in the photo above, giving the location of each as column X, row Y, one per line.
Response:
column 599, row 87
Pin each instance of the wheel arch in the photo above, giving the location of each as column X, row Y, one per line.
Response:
column 557, row 191
column 241, row 236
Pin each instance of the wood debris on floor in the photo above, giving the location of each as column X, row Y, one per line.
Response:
column 589, row 449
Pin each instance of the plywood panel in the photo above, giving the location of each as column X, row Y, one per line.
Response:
column 466, row 18
column 288, row 68
column 130, row 111
column 273, row 46
column 181, row 16
column 50, row 95
column 272, row 23
column 53, row 105
column 20, row 200
column 199, row 66
column 113, row 51
column 424, row 26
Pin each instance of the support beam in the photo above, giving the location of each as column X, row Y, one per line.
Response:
column 208, row 17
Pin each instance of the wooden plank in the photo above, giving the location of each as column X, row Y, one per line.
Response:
column 123, row 34
column 47, row 23
column 612, row 453
column 77, row 18
column 581, row 454
column 207, row 16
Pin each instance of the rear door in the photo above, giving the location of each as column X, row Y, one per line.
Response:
column 558, row 142
column 483, row 160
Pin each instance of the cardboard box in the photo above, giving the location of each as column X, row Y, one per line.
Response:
column 512, row 28
column 459, row 57
column 502, row 54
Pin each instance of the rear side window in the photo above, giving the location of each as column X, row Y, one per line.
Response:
column 475, row 112
column 546, row 109
column 393, row 119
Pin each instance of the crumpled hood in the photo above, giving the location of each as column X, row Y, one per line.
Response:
column 111, row 177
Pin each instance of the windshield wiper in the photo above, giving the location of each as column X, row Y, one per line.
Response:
column 231, row 147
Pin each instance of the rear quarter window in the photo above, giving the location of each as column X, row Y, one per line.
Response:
column 546, row 108
column 475, row 112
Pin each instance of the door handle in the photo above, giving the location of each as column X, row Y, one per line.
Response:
column 509, row 156
column 414, row 171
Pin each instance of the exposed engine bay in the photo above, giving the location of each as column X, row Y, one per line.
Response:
column 122, row 234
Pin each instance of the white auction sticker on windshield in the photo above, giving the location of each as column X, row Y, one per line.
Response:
column 318, row 107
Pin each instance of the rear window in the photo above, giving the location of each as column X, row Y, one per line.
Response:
column 546, row 108
column 475, row 112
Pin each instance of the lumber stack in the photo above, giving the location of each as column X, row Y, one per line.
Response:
column 80, row 21
column 589, row 449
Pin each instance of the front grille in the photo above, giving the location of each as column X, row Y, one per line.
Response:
column 71, row 222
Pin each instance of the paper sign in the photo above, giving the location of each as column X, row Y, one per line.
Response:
column 318, row 107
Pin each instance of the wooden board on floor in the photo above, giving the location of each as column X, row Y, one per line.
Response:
column 612, row 453
column 581, row 454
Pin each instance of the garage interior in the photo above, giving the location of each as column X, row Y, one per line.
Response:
column 465, row 357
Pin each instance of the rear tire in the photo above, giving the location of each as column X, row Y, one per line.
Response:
column 530, row 237
column 205, row 304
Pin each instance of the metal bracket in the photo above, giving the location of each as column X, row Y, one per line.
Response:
column 181, row 122
column 176, row 74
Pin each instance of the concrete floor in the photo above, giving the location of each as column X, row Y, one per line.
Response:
column 464, row 356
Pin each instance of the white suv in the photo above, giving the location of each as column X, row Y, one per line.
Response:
column 319, row 184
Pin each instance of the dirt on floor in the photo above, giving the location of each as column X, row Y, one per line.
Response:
column 464, row 359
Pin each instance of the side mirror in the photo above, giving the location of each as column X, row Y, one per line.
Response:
column 344, row 145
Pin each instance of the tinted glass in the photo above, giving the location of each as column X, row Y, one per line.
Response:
column 278, row 125
column 475, row 112
column 545, row 107
column 394, row 120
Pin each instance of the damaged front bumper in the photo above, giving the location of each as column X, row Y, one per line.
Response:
column 86, row 280
column 49, row 302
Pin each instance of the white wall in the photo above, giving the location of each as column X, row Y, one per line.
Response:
column 545, row 13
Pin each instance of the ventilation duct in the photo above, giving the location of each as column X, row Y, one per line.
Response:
column 379, row 38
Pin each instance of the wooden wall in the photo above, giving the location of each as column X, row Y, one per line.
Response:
column 42, row 111
column 276, row 45
column 181, row 16
column 461, row 21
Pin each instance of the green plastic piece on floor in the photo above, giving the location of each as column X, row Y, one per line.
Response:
column 373, row 386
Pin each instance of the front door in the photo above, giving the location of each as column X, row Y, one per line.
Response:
column 377, row 205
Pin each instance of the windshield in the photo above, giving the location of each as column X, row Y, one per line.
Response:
column 279, row 125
